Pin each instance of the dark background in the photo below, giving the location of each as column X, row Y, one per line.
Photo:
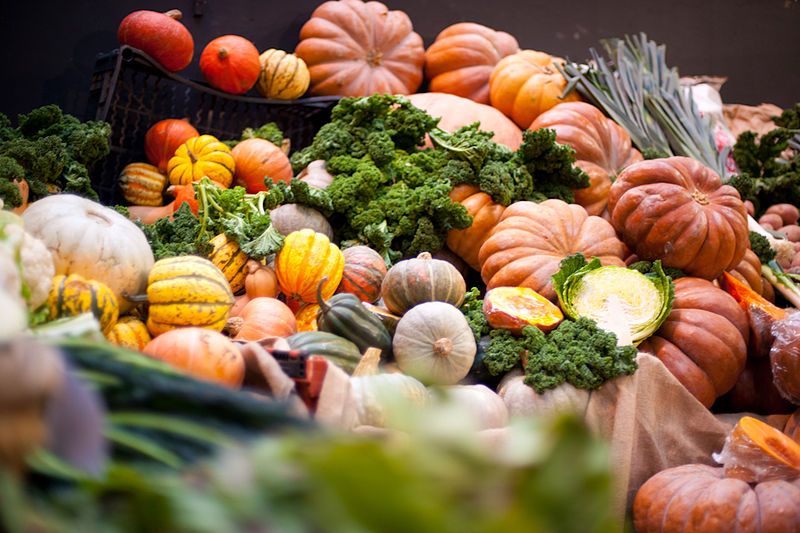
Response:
column 48, row 48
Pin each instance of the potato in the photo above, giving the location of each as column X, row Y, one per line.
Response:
column 751, row 210
column 792, row 232
column 773, row 220
column 788, row 213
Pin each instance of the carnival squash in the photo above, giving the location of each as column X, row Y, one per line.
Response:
column 289, row 218
column 164, row 137
column 283, row 76
column 526, row 84
column 485, row 213
column 332, row 347
column 262, row 318
column 526, row 246
column 364, row 271
column 260, row 280
column 703, row 341
column 129, row 332
column 677, row 210
column 160, row 36
column 423, row 279
column 461, row 59
column 355, row 48
column 231, row 64
column 142, row 184
column 258, row 159
column 93, row 241
column 187, row 291
column 455, row 112
column 602, row 148
column 201, row 353
column 230, row 259
column 73, row 295
column 434, row 343
column 307, row 260
column 201, row 157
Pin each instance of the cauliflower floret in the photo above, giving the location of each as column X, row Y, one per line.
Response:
column 26, row 265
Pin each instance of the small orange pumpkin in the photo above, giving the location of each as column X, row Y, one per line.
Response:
column 257, row 159
column 305, row 259
column 164, row 137
column 201, row 353
column 265, row 317
column 231, row 63
column 260, row 280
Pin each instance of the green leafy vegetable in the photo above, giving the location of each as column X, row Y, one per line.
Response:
column 624, row 301
column 269, row 132
column 179, row 236
column 52, row 151
column 579, row 353
column 472, row 309
column 505, row 351
column 761, row 247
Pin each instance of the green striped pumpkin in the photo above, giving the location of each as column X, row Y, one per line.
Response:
column 187, row 291
column 283, row 76
column 336, row 349
column 142, row 184
column 420, row 280
column 74, row 295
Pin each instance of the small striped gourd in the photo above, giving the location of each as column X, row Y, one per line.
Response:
column 129, row 332
column 283, row 76
column 142, row 184
column 305, row 259
column 74, row 295
column 187, row 291
column 230, row 259
column 420, row 280
column 199, row 157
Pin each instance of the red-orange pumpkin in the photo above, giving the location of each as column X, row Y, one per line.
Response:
column 364, row 270
column 164, row 137
column 231, row 64
column 265, row 317
column 461, row 59
column 485, row 213
column 678, row 210
column 355, row 48
column 749, row 271
column 456, row 112
column 160, row 36
column 257, row 159
column 201, row 353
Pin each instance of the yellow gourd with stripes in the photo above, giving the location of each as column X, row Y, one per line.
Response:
column 129, row 332
column 74, row 295
column 200, row 157
column 283, row 76
column 230, row 259
column 142, row 184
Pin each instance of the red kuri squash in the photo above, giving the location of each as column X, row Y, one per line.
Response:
column 164, row 137
column 257, row 159
column 160, row 36
column 230, row 63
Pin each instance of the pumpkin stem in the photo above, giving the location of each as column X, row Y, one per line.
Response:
column 442, row 347
column 425, row 256
column 323, row 305
column 174, row 14
column 223, row 53
column 135, row 298
column 700, row 197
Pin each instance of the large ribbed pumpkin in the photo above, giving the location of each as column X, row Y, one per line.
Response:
column 677, row 210
column 159, row 35
column 419, row 280
column 129, row 332
column 355, row 48
column 703, row 341
column 230, row 259
column 201, row 353
column 526, row 84
column 526, row 246
column 283, row 76
column 485, row 213
column 455, row 112
column 230, row 63
column 699, row 498
column 602, row 148
column 257, row 159
column 73, row 295
column 187, row 291
column 164, row 137
column 142, row 184
column 749, row 271
column 364, row 270
column 461, row 59
column 305, row 259
column 201, row 157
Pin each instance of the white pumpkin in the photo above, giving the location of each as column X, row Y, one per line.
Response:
column 376, row 395
column 434, row 343
column 522, row 400
column 480, row 402
column 93, row 241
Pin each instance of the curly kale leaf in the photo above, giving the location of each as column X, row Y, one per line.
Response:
column 761, row 247
column 179, row 236
column 505, row 351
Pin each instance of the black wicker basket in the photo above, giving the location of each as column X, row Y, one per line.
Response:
column 131, row 92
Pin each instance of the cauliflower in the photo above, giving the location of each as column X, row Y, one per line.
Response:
column 25, row 262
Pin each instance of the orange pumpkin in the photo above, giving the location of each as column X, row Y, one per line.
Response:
column 238, row 304
column 265, row 317
column 307, row 317
column 456, row 112
column 231, row 64
column 355, row 48
column 305, row 259
column 461, row 59
column 526, row 246
column 602, row 148
column 526, row 84
column 260, row 281
column 364, row 270
column 257, row 159
column 485, row 213
column 164, row 137
column 201, row 353
column 748, row 271
column 24, row 193
column 160, row 35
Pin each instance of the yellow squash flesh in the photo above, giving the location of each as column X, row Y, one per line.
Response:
column 200, row 157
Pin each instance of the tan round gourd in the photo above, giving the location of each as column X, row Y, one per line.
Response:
column 434, row 343
column 93, row 241
column 375, row 396
column 521, row 400
column 294, row 217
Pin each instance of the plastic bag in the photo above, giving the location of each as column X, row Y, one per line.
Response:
column 785, row 357
column 755, row 451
